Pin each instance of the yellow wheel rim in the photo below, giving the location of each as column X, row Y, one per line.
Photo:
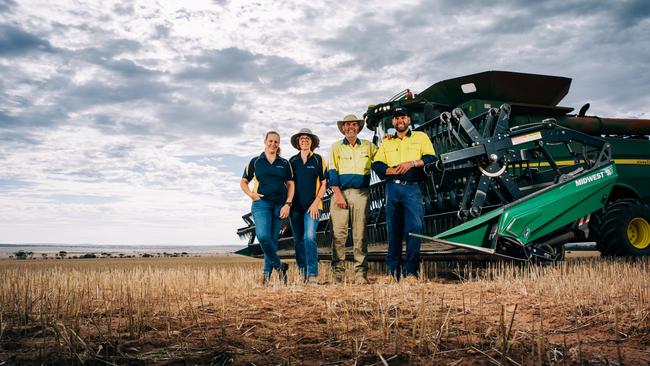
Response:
column 638, row 233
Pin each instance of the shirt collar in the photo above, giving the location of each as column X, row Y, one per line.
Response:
column 346, row 142
column 297, row 156
column 408, row 134
column 263, row 156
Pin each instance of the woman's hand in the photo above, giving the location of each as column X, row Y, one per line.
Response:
column 313, row 210
column 284, row 211
column 255, row 196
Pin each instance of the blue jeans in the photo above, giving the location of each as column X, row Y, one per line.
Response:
column 268, row 223
column 304, row 241
column 404, row 215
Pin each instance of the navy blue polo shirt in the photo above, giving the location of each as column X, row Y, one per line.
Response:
column 308, row 177
column 269, row 179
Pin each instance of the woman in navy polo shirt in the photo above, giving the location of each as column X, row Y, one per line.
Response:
column 272, row 194
column 310, row 176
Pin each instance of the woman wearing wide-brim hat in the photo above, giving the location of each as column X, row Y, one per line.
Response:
column 310, row 177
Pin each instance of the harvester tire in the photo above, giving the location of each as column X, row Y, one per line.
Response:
column 625, row 229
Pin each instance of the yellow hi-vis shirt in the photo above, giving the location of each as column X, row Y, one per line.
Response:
column 392, row 151
column 349, row 166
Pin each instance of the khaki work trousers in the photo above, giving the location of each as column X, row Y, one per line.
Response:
column 355, row 214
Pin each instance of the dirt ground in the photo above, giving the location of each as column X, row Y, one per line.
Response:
column 441, row 320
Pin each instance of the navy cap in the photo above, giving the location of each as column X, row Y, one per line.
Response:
column 399, row 111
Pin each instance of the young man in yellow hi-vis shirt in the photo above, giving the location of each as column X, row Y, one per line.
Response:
column 349, row 176
column 400, row 160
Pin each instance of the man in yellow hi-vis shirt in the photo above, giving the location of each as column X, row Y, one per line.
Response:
column 349, row 177
column 400, row 160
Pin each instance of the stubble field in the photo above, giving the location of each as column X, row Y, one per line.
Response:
column 214, row 311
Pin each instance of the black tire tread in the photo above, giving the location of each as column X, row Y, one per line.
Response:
column 614, row 221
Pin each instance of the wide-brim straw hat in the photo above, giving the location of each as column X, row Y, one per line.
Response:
column 315, row 141
column 350, row 118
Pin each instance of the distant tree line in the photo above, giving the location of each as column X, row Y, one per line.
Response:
column 24, row 255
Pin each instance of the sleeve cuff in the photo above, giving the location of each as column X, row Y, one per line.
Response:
column 380, row 168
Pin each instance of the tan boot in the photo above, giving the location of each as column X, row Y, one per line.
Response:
column 361, row 280
column 411, row 280
column 386, row 279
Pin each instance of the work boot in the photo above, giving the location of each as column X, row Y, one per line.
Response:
column 361, row 279
column 311, row 280
column 387, row 279
column 411, row 280
column 266, row 278
column 283, row 272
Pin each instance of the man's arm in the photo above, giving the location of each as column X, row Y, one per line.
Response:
column 379, row 164
column 333, row 171
column 334, row 181
column 428, row 152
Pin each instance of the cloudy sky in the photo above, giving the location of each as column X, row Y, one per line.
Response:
column 131, row 122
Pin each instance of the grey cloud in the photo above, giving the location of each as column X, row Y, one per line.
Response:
column 15, row 137
column 123, row 9
column 217, row 116
column 633, row 12
column 89, row 174
column 15, row 41
column 624, row 13
column 106, row 50
column 34, row 116
column 83, row 199
column 373, row 44
column 128, row 68
column 119, row 125
column 7, row 5
column 512, row 24
column 161, row 31
column 236, row 65
column 356, row 86
column 95, row 93
column 230, row 64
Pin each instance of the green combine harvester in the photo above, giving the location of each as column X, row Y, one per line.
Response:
column 517, row 176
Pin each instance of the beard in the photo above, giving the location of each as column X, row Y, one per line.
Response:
column 401, row 127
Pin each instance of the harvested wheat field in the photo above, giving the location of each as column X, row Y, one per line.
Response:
column 214, row 311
